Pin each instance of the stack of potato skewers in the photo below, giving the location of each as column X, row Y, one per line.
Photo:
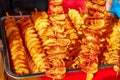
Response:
column 58, row 41
column 98, row 22
column 18, row 52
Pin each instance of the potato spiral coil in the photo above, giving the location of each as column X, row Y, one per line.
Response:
column 18, row 52
column 33, row 43
column 113, row 54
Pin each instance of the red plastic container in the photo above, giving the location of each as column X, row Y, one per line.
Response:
column 102, row 74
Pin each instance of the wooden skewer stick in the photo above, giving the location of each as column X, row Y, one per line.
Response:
column 68, row 9
column 36, row 10
column 21, row 14
column 7, row 14
column 80, row 11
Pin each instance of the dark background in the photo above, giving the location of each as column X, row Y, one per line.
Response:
column 4, row 6
column 26, row 6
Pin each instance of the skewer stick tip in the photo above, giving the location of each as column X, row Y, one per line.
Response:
column 79, row 9
column 68, row 8
column 36, row 10
column 7, row 14
column 21, row 14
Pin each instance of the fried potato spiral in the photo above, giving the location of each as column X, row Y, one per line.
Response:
column 87, row 58
column 33, row 43
column 76, row 19
column 112, row 56
column 89, row 24
column 56, row 7
column 17, row 50
column 41, row 23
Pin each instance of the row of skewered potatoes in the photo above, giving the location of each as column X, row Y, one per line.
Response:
column 53, row 43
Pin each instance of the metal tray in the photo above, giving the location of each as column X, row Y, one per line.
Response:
column 8, row 67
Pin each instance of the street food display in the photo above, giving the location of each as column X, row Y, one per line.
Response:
column 54, row 43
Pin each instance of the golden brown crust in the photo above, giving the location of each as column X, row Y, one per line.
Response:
column 18, row 52
column 33, row 43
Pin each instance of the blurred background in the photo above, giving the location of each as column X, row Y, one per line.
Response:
column 26, row 6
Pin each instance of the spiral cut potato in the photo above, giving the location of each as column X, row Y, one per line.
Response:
column 113, row 54
column 60, row 26
column 73, row 48
column 55, row 6
column 54, row 41
column 66, row 34
column 76, row 19
column 90, row 25
column 41, row 24
column 54, row 47
column 87, row 58
column 17, row 50
column 96, row 5
column 107, row 26
column 33, row 43
column 59, row 47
